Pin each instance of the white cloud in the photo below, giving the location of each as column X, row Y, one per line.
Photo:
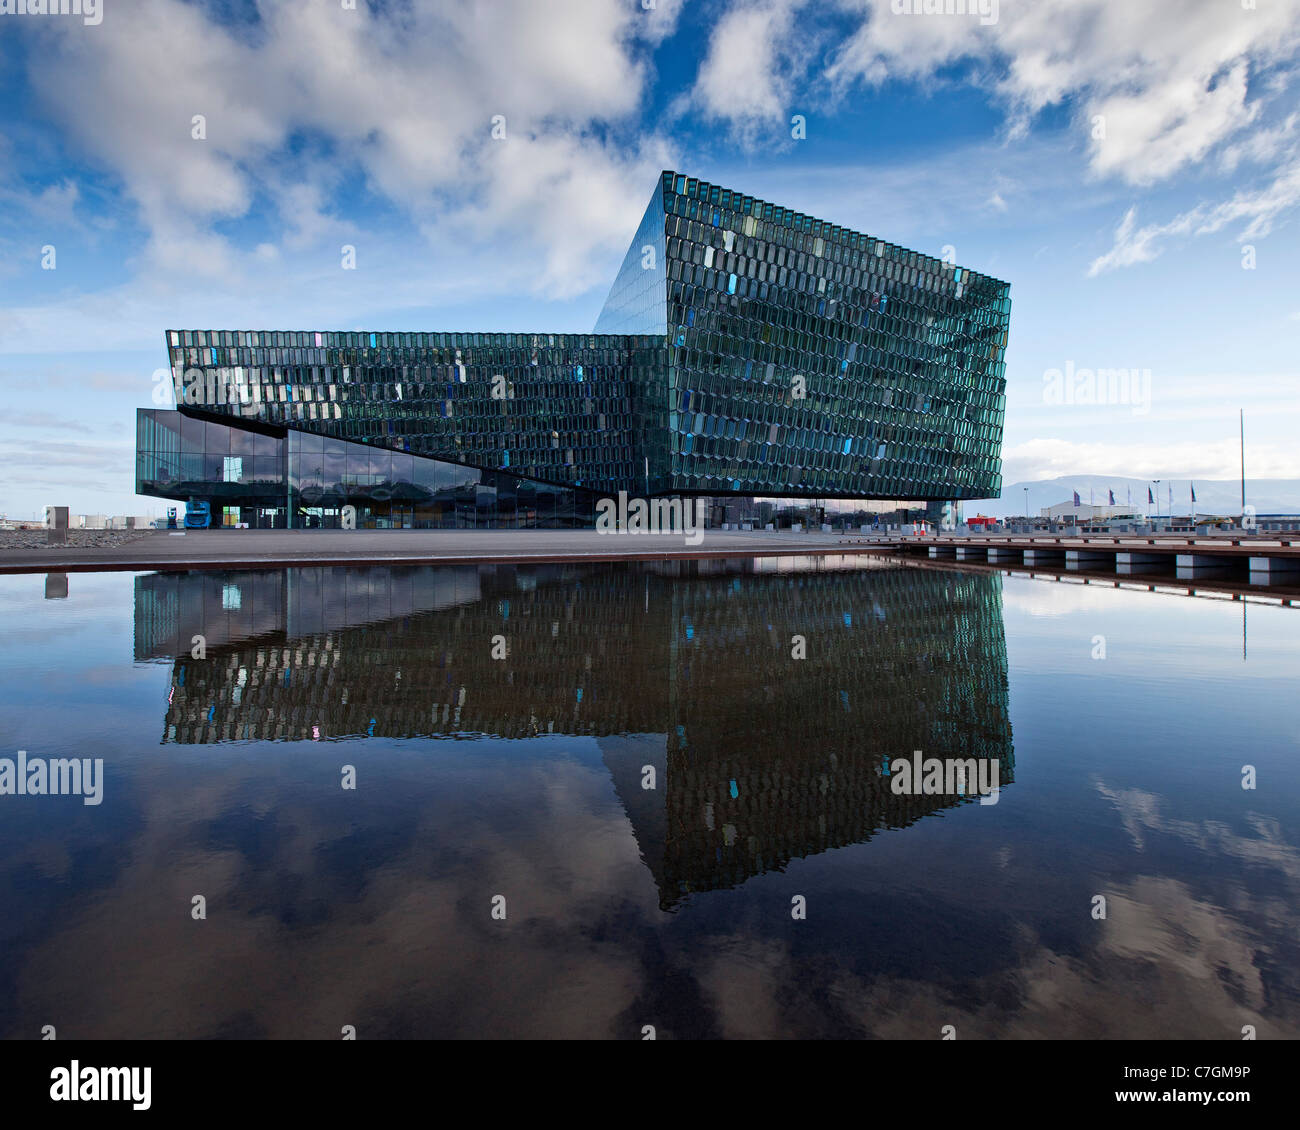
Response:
column 1147, row 138
column 1262, row 146
column 660, row 18
column 398, row 106
column 1152, row 92
column 1051, row 601
column 1216, row 459
column 55, row 204
column 1172, row 83
column 1138, row 245
column 1256, row 210
column 571, row 194
column 754, row 59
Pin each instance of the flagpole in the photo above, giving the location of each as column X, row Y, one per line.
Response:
column 1242, row 412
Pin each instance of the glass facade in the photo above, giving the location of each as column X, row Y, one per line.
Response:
column 743, row 349
column 305, row 480
column 638, row 299
column 807, row 360
column 760, row 761
column 240, row 472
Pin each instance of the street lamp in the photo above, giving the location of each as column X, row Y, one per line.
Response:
column 1026, row 490
column 1157, row 482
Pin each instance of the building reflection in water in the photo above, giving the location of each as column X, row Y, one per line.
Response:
column 759, row 758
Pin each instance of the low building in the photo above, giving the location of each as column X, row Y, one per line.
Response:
column 1073, row 513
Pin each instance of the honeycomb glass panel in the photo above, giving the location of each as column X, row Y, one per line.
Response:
column 744, row 348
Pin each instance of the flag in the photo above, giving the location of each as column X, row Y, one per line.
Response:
column 1112, row 497
column 1193, row 486
column 1129, row 489
column 1150, row 497
column 1076, row 498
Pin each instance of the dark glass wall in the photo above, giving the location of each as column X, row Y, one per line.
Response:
column 765, row 758
column 772, row 354
column 809, row 360
column 638, row 301
column 305, row 480
column 574, row 410
column 240, row 473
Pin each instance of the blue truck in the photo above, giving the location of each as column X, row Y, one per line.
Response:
column 198, row 515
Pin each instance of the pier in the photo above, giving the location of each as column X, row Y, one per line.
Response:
column 1253, row 560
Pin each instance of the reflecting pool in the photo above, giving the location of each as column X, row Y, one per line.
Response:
column 584, row 800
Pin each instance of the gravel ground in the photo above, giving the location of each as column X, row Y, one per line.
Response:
column 77, row 539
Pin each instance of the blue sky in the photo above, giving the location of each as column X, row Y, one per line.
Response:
column 1132, row 168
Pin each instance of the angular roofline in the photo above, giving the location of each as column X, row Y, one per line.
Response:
column 769, row 212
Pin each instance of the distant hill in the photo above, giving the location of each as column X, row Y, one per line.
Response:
column 1213, row 496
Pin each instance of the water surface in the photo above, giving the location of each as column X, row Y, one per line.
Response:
column 502, row 724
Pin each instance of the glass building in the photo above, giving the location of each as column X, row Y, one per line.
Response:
column 744, row 349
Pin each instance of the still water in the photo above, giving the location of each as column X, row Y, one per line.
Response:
column 502, row 869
